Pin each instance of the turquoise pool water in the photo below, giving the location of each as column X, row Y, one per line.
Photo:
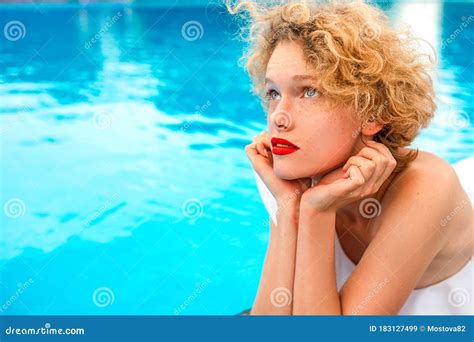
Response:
column 125, row 188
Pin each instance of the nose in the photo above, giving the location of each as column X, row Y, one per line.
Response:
column 282, row 120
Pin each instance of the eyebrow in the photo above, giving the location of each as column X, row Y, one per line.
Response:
column 295, row 78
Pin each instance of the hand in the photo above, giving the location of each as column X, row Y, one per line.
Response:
column 260, row 155
column 361, row 176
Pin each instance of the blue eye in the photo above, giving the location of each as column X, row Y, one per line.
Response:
column 272, row 95
column 310, row 92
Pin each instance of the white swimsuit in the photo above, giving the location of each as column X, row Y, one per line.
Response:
column 452, row 296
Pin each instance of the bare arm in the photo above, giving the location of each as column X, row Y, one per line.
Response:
column 275, row 292
column 315, row 289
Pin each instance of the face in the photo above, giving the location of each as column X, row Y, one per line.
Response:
column 323, row 138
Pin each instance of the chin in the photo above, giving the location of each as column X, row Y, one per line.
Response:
column 288, row 174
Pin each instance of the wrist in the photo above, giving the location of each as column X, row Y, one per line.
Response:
column 309, row 207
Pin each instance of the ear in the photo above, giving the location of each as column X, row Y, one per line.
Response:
column 371, row 128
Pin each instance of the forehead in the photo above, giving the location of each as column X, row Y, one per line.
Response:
column 287, row 57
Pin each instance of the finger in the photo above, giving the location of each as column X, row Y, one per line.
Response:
column 382, row 157
column 261, row 149
column 379, row 147
column 367, row 166
column 259, row 162
column 356, row 176
column 377, row 158
column 351, row 185
column 392, row 162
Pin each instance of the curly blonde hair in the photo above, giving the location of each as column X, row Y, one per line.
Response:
column 359, row 60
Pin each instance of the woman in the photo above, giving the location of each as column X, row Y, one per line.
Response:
column 345, row 95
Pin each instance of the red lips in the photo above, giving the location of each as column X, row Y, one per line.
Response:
column 283, row 146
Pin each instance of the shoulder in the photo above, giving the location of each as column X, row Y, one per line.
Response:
column 422, row 196
column 429, row 179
